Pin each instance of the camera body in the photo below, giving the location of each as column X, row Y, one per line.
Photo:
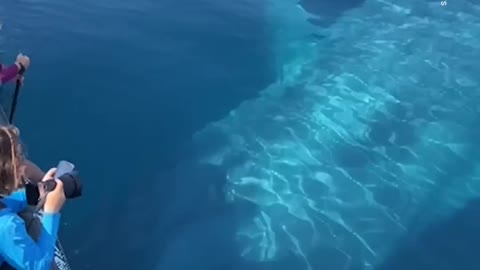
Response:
column 72, row 187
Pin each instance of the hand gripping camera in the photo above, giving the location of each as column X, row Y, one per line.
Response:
column 72, row 185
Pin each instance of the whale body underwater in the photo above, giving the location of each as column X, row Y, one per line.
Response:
column 364, row 138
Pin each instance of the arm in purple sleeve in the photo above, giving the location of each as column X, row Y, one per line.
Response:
column 9, row 73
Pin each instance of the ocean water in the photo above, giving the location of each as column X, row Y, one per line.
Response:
column 257, row 134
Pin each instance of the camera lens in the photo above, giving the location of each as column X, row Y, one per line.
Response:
column 72, row 185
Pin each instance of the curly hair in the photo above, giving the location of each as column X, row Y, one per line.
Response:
column 12, row 170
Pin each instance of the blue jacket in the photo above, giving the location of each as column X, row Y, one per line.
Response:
column 17, row 248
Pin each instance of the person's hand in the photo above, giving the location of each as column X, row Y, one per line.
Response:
column 55, row 198
column 23, row 59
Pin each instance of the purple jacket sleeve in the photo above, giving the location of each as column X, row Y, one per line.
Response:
column 8, row 73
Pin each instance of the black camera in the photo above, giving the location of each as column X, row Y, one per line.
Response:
column 72, row 186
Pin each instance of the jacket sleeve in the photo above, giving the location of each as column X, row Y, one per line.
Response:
column 20, row 251
column 8, row 73
column 17, row 201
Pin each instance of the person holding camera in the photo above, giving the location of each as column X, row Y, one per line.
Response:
column 17, row 248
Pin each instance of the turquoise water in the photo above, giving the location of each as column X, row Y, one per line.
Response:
column 256, row 135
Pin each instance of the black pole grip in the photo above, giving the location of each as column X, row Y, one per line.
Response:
column 18, row 84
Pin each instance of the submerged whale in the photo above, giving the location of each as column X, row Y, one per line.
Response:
column 348, row 150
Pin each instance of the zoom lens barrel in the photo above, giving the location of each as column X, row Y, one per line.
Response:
column 72, row 186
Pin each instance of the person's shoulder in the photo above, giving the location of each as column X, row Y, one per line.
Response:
column 16, row 201
column 8, row 219
column 6, row 214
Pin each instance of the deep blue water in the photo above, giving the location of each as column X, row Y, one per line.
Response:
column 119, row 88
